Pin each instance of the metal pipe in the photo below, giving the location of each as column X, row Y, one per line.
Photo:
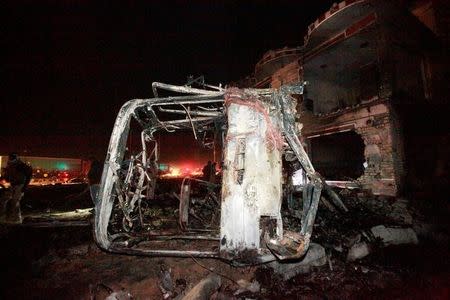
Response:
column 144, row 149
column 186, row 120
column 181, row 89
column 207, row 108
column 188, row 114
column 219, row 88
column 184, row 237
column 178, row 100
column 171, row 253
column 193, row 113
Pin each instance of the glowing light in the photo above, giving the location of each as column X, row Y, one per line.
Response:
column 163, row 167
column 174, row 172
column 62, row 166
column 197, row 172
column 183, row 170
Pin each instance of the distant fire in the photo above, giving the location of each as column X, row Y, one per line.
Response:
column 182, row 171
column 174, row 172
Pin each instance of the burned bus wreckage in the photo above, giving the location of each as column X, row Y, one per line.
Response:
column 360, row 120
column 261, row 152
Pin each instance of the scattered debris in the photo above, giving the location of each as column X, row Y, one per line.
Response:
column 245, row 285
column 315, row 257
column 330, row 263
column 96, row 293
column 400, row 211
column 358, row 251
column 395, row 236
column 166, row 284
column 204, row 289
column 352, row 240
column 121, row 295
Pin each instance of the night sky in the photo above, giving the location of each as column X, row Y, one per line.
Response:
column 70, row 65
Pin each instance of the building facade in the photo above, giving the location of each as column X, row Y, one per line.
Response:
column 371, row 68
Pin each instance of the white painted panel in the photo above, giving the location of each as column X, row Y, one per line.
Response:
column 259, row 193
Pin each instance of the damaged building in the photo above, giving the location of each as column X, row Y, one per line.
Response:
column 374, row 71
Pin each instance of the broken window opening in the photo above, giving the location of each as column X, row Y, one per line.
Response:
column 337, row 80
column 338, row 156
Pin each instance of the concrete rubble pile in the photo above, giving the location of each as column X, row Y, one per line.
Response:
column 369, row 224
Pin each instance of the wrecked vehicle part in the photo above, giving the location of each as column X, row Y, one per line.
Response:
column 251, row 183
column 181, row 89
column 111, row 179
column 208, row 202
column 260, row 127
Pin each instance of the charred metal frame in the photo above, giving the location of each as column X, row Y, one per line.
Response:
column 130, row 181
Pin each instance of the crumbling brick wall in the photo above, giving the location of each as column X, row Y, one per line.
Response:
column 375, row 126
column 379, row 174
column 287, row 74
column 398, row 149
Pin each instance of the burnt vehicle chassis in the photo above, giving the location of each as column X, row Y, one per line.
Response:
column 258, row 133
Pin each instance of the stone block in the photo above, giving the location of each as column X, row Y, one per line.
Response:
column 358, row 251
column 315, row 257
column 395, row 236
column 205, row 288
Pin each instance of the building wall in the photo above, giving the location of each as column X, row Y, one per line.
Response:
column 405, row 68
column 372, row 122
column 287, row 74
column 379, row 175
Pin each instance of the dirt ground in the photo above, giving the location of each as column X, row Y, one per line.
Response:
column 64, row 263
